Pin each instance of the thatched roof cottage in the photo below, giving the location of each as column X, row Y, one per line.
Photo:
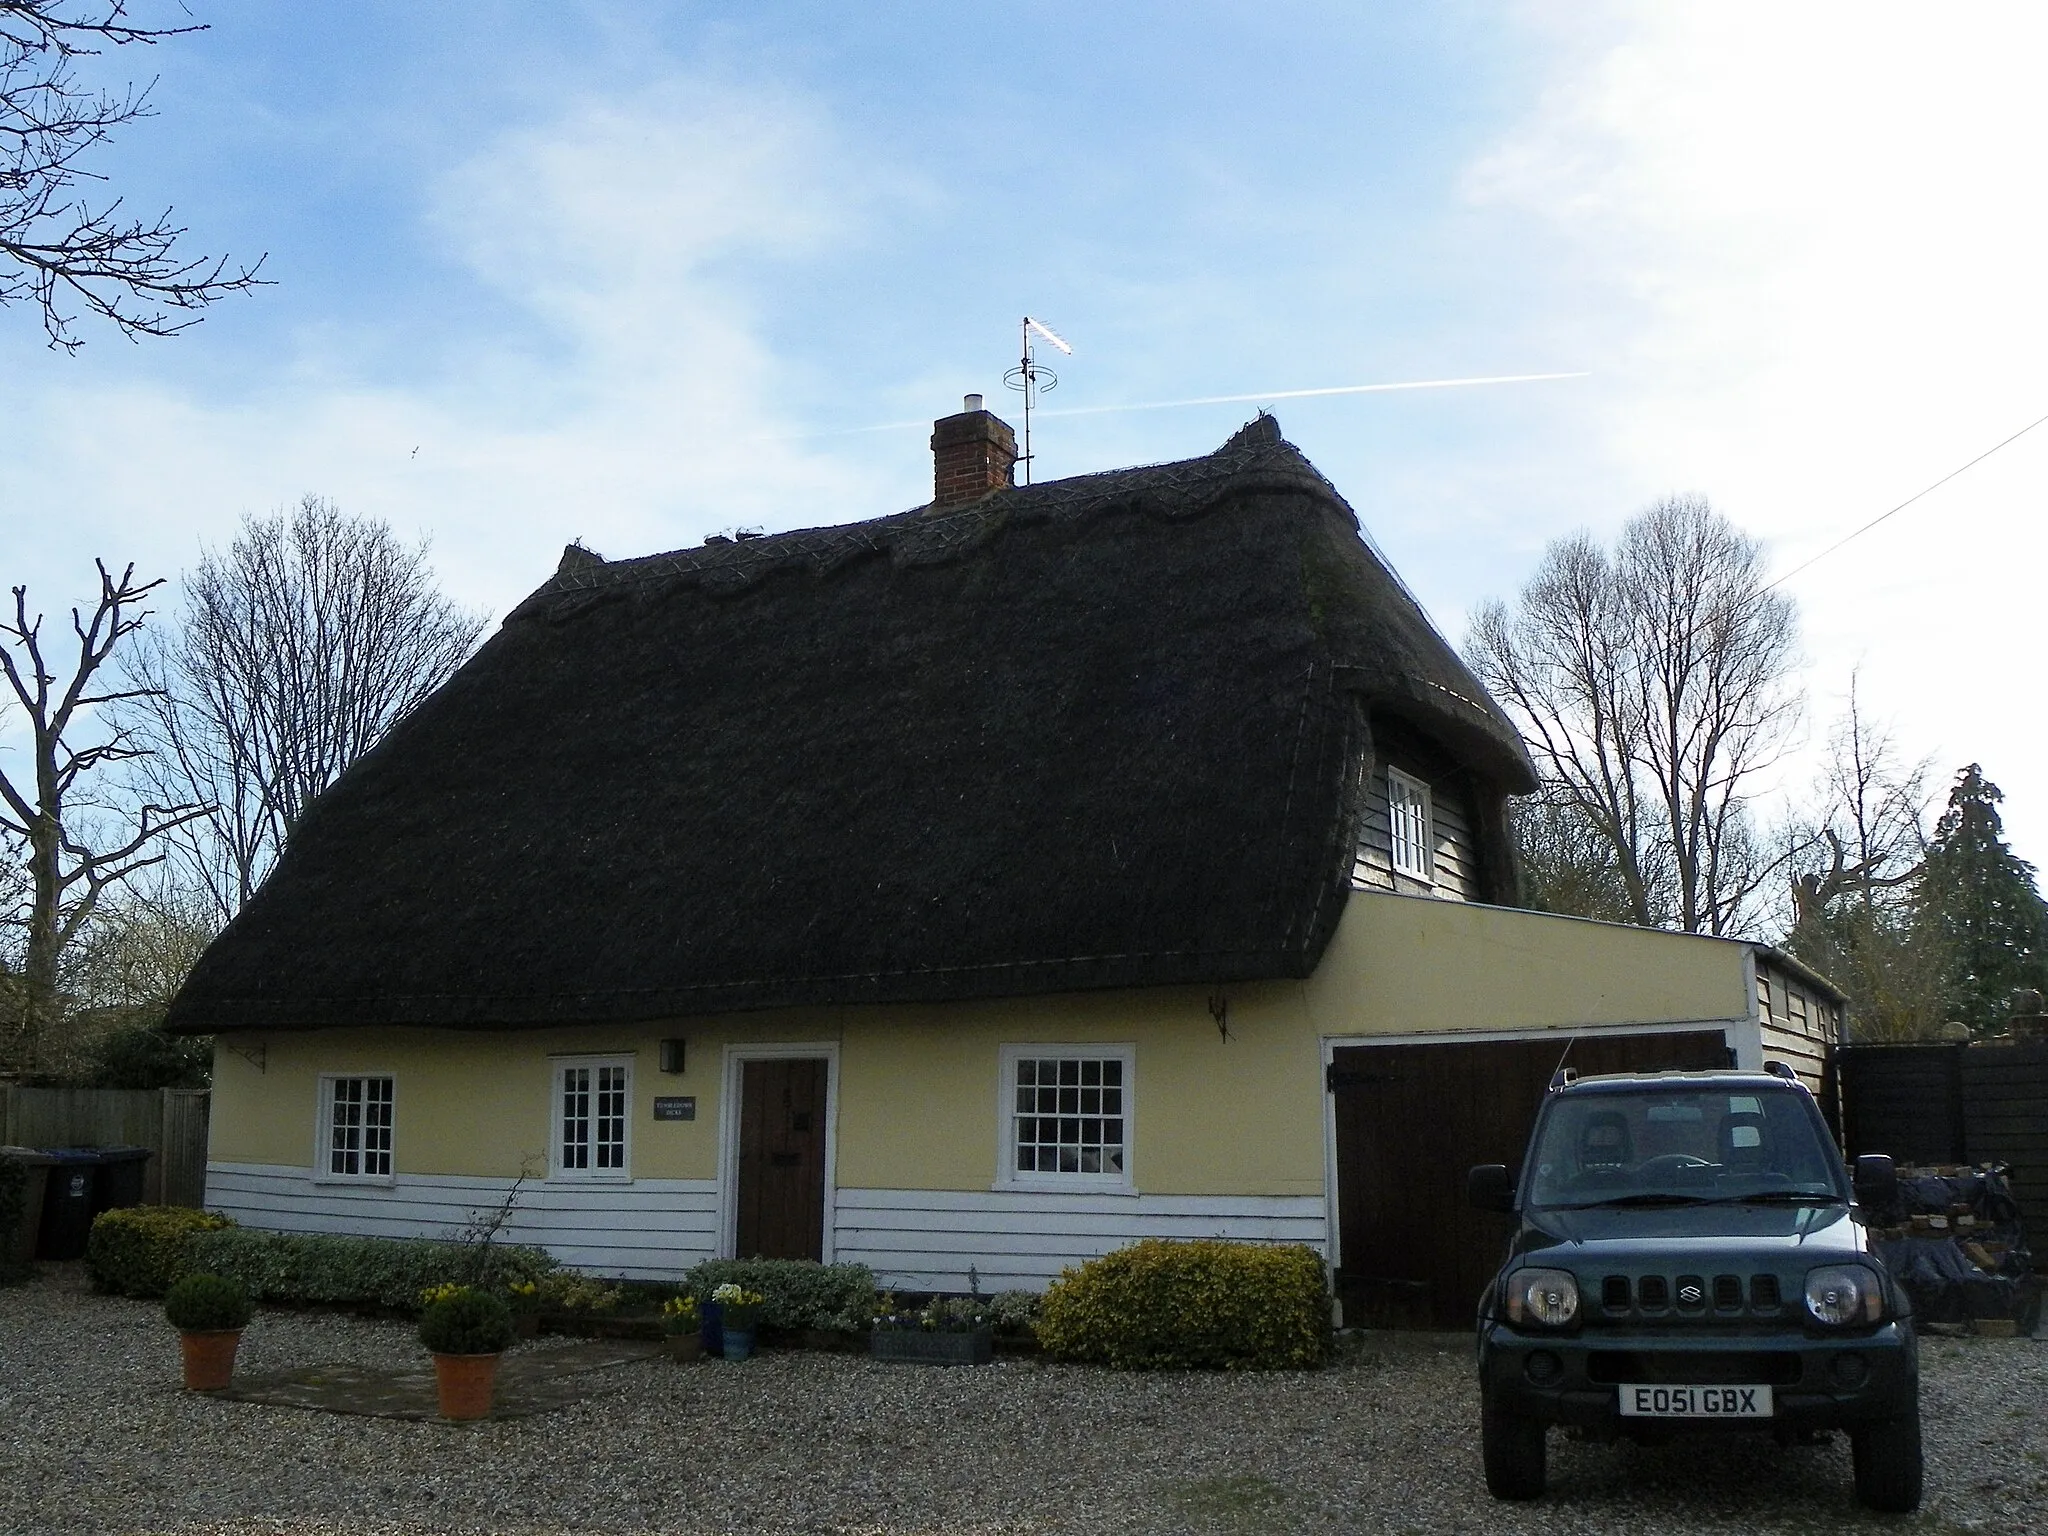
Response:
column 984, row 885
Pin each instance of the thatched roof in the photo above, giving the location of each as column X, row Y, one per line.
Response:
column 1098, row 732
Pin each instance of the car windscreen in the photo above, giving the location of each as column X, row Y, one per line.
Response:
column 1681, row 1144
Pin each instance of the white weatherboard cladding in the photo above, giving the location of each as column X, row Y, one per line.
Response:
column 925, row 1240
column 654, row 1229
column 649, row 1229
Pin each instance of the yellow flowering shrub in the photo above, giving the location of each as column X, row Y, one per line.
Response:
column 1179, row 1305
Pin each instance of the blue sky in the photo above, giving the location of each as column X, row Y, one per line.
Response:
column 627, row 273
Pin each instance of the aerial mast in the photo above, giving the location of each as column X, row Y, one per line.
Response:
column 1033, row 378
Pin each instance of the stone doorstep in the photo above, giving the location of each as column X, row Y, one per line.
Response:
column 529, row 1382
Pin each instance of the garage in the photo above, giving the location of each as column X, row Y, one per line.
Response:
column 1410, row 1118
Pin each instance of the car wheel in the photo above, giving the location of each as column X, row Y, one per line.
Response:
column 1512, row 1446
column 1887, row 1461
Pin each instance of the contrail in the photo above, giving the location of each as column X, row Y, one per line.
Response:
column 1275, row 394
column 1303, row 394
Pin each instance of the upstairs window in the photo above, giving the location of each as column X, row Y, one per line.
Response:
column 1763, row 997
column 1408, row 826
column 355, row 1127
column 592, row 1112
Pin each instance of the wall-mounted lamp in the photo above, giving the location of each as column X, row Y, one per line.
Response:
column 672, row 1055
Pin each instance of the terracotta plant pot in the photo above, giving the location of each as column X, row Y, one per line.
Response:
column 464, row 1383
column 209, row 1359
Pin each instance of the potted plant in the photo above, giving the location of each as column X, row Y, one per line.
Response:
column 739, row 1314
column 209, row 1312
column 467, row 1330
column 681, row 1329
column 945, row 1331
column 524, row 1298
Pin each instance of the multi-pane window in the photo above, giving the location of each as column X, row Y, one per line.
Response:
column 1763, row 997
column 592, row 1107
column 1068, row 1114
column 1795, row 1010
column 355, row 1129
column 1408, row 825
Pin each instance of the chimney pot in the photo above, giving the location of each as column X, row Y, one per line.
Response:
column 970, row 403
column 973, row 454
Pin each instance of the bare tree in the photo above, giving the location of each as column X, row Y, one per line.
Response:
column 1651, row 684
column 1869, row 840
column 79, row 841
column 301, row 645
column 57, row 248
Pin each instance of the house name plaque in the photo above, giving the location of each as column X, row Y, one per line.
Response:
column 675, row 1108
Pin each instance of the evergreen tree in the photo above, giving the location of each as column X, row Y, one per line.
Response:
column 1982, row 901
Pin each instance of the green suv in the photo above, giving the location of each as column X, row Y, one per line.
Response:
column 1690, row 1256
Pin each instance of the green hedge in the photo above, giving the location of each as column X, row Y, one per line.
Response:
column 801, row 1293
column 298, row 1267
column 141, row 1250
column 1173, row 1305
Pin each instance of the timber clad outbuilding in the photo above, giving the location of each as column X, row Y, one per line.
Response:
column 975, row 889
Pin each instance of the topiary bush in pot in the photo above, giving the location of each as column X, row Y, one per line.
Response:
column 208, row 1304
column 1174, row 1305
column 466, row 1329
column 459, row 1320
column 209, row 1312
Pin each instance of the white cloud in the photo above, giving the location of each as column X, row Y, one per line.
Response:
column 623, row 400
column 1804, row 245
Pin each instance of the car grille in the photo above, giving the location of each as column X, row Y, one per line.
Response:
column 1777, row 1368
column 1726, row 1297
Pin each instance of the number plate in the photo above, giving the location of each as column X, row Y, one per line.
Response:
column 1647, row 1402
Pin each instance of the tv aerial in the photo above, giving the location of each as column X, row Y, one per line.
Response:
column 1034, row 379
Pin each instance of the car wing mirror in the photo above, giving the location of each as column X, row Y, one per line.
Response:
column 1877, row 1181
column 1489, row 1188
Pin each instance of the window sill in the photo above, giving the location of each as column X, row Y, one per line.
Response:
column 590, row 1178
column 358, row 1180
column 1062, row 1187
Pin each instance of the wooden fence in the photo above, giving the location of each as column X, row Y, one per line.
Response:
column 171, row 1122
column 1955, row 1104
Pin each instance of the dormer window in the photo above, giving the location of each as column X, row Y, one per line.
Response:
column 1409, row 825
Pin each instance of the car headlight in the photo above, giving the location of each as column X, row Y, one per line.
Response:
column 1844, row 1293
column 1546, row 1297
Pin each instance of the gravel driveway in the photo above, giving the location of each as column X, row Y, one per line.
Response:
column 98, row 1437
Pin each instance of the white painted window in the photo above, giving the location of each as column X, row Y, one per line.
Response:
column 355, row 1127
column 593, row 1115
column 1409, row 825
column 1763, row 997
column 1067, row 1115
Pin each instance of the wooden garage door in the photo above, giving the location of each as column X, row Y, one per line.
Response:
column 1410, row 1120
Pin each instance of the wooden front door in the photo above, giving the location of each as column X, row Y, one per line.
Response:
column 1411, row 1119
column 782, row 1159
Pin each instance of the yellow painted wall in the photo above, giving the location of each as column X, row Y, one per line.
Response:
column 917, row 1090
column 1404, row 965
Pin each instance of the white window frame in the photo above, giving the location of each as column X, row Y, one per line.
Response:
column 323, row 1132
column 1008, row 1176
column 557, row 1166
column 1406, row 787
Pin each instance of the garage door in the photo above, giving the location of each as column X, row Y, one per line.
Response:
column 1410, row 1120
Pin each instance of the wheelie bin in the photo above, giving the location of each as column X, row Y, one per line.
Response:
column 121, row 1179
column 67, row 1202
column 18, row 1247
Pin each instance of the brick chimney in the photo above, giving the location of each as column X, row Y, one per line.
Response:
column 972, row 454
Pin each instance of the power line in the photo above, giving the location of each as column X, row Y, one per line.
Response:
column 1944, row 480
